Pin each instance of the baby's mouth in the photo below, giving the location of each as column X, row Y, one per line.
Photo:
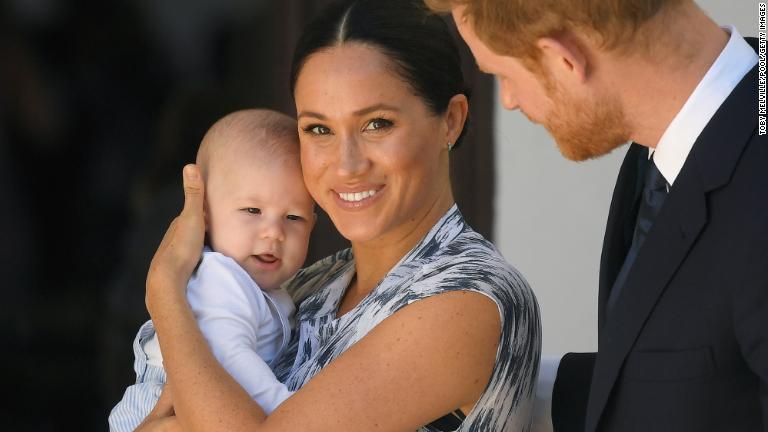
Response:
column 266, row 258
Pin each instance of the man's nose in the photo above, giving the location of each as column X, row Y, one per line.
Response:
column 508, row 98
column 508, row 101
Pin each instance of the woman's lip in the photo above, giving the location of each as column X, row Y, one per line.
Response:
column 357, row 205
column 358, row 188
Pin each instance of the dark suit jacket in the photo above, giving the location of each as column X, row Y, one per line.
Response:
column 685, row 347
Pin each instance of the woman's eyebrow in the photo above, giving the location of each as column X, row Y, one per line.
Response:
column 377, row 107
column 311, row 114
column 358, row 113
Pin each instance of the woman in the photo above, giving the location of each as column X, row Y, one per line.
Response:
column 421, row 324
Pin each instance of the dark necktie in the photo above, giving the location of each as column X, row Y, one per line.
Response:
column 654, row 192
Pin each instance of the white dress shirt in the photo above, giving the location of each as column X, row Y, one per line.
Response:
column 736, row 59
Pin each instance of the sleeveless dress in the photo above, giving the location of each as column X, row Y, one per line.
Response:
column 451, row 257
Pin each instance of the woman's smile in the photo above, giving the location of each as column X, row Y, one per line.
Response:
column 357, row 198
column 353, row 139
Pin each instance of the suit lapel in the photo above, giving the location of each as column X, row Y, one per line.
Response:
column 621, row 217
column 709, row 166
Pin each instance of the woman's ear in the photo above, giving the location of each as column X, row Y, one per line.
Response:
column 456, row 117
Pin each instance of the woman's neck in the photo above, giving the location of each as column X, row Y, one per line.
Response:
column 375, row 258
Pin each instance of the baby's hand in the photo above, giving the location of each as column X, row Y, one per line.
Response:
column 180, row 249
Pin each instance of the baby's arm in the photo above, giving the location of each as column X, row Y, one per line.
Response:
column 229, row 309
column 140, row 398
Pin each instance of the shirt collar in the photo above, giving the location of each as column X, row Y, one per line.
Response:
column 736, row 59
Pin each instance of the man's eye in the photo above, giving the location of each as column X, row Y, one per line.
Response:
column 294, row 217
column 253, row 210
column 378, row 123
column 317, row 129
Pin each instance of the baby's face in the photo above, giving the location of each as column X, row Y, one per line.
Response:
column 260, row 215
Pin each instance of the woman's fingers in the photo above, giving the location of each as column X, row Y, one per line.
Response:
column 164, row 407
column 180, row 249
column 162, row 417
column 193, row 196
column 165, row 424
column 160, row 424
column 187, row 239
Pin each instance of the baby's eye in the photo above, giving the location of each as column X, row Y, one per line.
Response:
column 377, row 124
column 253, row 210
column 294, row 217
column 317, row 129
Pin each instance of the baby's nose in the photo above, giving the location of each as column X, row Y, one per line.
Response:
column 273, row 230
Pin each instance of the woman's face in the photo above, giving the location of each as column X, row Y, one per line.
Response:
column 374, row 156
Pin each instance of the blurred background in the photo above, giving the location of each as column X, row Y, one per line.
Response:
column 102, row 103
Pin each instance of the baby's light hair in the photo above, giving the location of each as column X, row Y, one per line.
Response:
column 266, row 134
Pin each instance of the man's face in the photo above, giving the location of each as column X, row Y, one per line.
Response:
column 584, row 124
column 519, row 88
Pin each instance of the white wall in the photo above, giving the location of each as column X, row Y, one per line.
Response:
column 550, row 213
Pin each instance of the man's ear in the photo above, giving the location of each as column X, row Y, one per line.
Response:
column 564, row 57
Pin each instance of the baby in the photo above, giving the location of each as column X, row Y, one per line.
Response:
column 258, row 219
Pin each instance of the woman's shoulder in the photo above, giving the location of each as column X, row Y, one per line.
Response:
column 470, row 262
column 311, row 278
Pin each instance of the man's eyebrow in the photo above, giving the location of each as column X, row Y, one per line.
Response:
column 360, row 112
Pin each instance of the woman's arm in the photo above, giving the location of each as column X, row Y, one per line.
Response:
column 426, row 360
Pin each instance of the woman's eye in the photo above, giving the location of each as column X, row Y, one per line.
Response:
column 317, row 130
column 253, row 210
column 378, row 124
column 294, row 217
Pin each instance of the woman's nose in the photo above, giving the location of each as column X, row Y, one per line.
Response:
column 352, row 160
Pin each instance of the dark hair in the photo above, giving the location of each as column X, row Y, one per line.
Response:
column 416, row 40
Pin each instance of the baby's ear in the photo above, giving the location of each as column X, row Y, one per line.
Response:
column 205, row 217
column 207, row 239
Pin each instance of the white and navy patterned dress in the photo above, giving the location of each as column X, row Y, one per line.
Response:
column 451, row 257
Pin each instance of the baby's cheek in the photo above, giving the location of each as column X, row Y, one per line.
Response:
column 297, row 253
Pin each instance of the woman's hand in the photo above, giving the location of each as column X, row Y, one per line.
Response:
column 162, row 418
column 180, row 250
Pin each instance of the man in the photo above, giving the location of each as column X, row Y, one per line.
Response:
column 683, row 298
